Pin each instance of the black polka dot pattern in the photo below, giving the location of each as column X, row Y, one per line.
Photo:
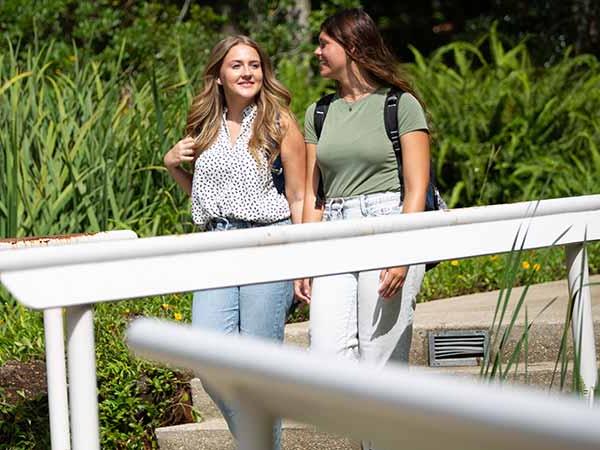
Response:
column 229, row 183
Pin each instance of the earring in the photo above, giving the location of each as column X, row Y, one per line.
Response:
column 219, row 81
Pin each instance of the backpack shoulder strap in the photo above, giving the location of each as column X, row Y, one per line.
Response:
column 390, row 119
column 321, row 112
column 277, row 166
column 319, row 120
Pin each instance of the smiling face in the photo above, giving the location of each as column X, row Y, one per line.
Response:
column 241, row 73
column 332, row 57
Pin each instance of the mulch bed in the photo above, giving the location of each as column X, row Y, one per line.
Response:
column 22, row 380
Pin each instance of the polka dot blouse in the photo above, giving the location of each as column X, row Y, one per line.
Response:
column 229, row 183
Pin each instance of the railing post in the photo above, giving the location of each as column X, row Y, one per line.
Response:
column 83, row 393
column 56, row 374
column 255, row 425
column 583, row 324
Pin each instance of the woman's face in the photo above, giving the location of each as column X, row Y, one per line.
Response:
column 241, row 73
column 332, row 56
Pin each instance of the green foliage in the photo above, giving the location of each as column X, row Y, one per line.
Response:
column 135, row 397
column 306, row 88
column 486, row 273
column 506, row 131
column 82, row 143
column 501, row 361
column 24, row 425
column 84, row 153
column 154, row 31
column 21, row 331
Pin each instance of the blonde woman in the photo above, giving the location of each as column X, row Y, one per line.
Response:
column 238, row 127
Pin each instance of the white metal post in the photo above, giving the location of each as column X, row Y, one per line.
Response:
column 255, row 425
column 583, row 324
column 56, row 372
column 82, row 378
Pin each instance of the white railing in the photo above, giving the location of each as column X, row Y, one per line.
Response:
column 54, row 338
column 80, row 275
column 395, row 408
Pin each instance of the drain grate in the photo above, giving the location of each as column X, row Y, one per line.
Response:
column 457, row 347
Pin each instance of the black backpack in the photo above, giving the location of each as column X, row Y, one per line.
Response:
column 433, row 199
column 277, row 174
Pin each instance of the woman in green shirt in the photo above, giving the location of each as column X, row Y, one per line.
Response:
column 364, row 316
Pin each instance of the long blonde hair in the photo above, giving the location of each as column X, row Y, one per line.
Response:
column 272, row 101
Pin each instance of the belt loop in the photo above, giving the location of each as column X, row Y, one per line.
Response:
column 336, row 207
column 363, row 204
column 217, row 223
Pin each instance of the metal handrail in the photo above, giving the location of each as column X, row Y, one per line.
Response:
column 397, row 407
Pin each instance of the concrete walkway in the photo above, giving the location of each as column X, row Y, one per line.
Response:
column 474, row 310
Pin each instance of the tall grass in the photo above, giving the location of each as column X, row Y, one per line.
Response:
column 505, row 352
column 81, row 150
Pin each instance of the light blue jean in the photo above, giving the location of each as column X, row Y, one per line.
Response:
column 256, row 310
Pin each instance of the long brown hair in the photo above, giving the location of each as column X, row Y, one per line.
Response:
column 357, row 33
column 272, row 101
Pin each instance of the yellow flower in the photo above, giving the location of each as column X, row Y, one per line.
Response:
column 493, row 257
column 537, row 267
column 454, row 262
column 177, row 316
column 526, row 265
column 165, row 306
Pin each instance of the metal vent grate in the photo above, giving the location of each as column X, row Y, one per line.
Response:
column 457, row 347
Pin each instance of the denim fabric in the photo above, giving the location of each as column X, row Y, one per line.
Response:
column 257, row 310
column 347, row 316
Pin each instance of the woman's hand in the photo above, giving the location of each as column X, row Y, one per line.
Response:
column 391, row 280
column 181, row 152
column 302, row 289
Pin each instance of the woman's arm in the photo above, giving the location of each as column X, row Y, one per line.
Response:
column 313, row 212
column 293, row 159
column 415, row 173
column 181, row 152
column 415, row 170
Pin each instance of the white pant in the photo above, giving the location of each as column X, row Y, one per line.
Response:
column 347, row 315
column 349, row 318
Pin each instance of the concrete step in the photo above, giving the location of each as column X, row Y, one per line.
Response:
column 537, row 375
column 214, row 435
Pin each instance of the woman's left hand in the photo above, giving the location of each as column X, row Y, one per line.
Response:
column 391, row 280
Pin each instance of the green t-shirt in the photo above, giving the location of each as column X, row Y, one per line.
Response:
column 354, row 153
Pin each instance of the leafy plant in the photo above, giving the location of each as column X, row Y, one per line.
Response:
column 505, row 130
